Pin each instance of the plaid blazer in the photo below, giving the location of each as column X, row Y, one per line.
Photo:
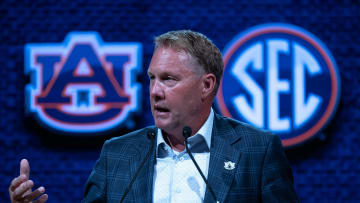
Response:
column 261, row 174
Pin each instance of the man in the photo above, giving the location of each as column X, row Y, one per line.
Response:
column 241, row 163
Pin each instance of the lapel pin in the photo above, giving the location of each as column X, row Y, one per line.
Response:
column 229, row 165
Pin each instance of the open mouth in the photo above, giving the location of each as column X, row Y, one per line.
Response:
column 161, row 109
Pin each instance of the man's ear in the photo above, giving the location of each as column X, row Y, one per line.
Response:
column 208, row 85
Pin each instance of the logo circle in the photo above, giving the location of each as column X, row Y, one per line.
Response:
column 282, row 78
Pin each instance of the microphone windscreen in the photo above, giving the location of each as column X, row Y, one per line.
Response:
column 186, row 132
column 151, row 133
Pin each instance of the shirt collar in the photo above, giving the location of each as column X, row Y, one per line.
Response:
column 195, row 141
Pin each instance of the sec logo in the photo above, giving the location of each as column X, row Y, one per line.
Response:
column 83, row 85
column 281, row 78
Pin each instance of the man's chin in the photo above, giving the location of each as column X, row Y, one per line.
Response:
column 164, row 125
column 161, row 125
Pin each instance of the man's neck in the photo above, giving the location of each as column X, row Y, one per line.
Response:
column 176, row 143
column 176, row 140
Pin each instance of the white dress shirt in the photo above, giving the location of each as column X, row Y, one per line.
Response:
column 176, row 178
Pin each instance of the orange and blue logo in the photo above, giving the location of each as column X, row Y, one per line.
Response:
column 282, row 78
column 83, row 85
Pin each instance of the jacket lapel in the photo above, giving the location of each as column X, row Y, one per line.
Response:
column 220, row 176
column 142, row 188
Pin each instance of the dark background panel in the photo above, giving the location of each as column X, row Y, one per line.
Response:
column 326, row 169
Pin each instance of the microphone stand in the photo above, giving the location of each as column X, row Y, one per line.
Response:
column 151, row 135
column 187, row 133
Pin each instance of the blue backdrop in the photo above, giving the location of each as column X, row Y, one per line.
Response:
column 325, row 169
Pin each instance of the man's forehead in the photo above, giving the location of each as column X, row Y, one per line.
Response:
column 173, row 51
column 170, row 54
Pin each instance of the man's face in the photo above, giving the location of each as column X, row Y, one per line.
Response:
column 175, row 89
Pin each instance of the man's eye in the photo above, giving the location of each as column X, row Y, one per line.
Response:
column 169, row 78
column 169, row 81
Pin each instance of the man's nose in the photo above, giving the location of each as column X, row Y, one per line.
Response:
column 156, row 90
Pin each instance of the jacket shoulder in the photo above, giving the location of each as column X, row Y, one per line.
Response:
column 249, row 135
column 135, row 139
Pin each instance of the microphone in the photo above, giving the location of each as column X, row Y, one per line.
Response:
column 151, row 134
column 187, row 133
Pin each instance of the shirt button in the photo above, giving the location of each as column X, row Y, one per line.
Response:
column 177, row 190
column 181, row 158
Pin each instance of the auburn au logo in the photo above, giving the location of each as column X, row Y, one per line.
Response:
column 83, row 85
column 281, row 78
